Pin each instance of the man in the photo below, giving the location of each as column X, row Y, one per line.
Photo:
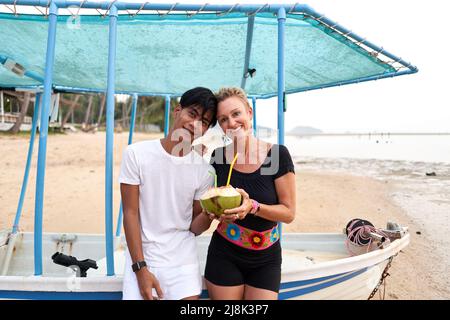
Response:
column 161, row 182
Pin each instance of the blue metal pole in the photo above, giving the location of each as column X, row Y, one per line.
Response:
column 88, row 90
column 342, row 83
column 264, row 96
column 281, row 84
column 113, row 13
column 29, row 74
column 105, row 5
column 254, row 115
column 248, row 49
column 27, row 167
column 167, row 116
column 130, row 141
column 43, row 132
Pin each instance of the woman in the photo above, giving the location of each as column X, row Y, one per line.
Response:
column 244, row 256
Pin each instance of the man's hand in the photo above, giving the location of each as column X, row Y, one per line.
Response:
column 147, row 281
column 201, row 221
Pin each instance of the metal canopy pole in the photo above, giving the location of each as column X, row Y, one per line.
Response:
column 105, row 5
column 281, row 84
column 27, row 166
column 2, row 107
column 167, row 116
column 248, row 49
column 254, row 115
column 43, row 132
column 130, row 141
column 113, row 13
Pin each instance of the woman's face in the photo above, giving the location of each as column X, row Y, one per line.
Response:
column 234, row 117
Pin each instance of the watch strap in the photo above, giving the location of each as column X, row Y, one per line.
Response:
column 138, row 265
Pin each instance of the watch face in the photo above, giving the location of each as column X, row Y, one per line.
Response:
column 138, row 265
column 134, row 267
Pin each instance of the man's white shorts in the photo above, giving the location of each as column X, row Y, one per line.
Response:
column 176, row 282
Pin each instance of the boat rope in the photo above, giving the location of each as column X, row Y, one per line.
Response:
column 46, row 8
column 360, row 235
column 227, row 12
column 42, row 12
column 78, row 12
column 257, row 11
column 293, row 8
column 107, row 10
column 189, row 15
column 384, row 275
column 139, row 10
column 169, row 11
column 15, row 9
column 9, row 8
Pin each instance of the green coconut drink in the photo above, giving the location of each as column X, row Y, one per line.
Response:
column 216, row 200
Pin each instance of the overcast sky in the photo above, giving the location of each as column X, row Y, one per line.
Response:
column 411, row 103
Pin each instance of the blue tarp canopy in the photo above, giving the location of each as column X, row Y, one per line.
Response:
column 173, row 53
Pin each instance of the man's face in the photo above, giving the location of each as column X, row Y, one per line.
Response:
column 191, row 122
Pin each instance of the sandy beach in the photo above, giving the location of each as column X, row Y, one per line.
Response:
column 326, row 201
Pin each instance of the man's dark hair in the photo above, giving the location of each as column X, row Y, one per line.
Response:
column 202, row 97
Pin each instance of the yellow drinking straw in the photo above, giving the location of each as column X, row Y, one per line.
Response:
column 231, row 168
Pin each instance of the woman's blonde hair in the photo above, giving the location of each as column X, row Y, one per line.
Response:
column 225, row 93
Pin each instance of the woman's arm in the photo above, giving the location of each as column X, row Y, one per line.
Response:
column 286, row 192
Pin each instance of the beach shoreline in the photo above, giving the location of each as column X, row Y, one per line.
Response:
column 74, row 202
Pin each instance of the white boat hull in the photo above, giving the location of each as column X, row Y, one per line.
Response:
column 315, row 266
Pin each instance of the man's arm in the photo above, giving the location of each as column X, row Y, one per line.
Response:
column 132, row 228
column 200, row 221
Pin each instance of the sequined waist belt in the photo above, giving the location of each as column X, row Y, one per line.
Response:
column 248, row 238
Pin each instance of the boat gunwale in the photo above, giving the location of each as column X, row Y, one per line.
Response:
column 114, row 283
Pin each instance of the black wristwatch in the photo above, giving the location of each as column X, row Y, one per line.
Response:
column 138, row 265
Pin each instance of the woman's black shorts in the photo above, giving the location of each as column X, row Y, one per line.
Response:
column 230, row 265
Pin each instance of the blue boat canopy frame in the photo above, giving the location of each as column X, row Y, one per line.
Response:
column 166, row 49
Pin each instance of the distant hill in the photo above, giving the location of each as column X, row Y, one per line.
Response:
column 299, row 131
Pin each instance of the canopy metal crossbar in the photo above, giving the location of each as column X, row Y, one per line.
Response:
column 165, row 49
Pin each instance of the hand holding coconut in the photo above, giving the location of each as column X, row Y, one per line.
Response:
column 241, row 211
column 216, row 200
column 226, row 203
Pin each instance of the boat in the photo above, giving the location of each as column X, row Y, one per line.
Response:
column 315, row 266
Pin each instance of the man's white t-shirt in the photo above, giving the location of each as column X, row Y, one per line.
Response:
column 168, row 185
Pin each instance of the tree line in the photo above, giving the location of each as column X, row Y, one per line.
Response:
column 87, row 111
